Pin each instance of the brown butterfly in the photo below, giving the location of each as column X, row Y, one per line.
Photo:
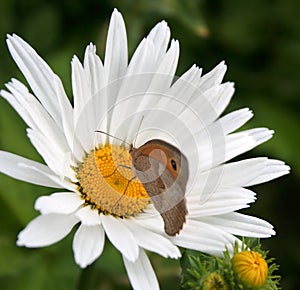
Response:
column 163, row 171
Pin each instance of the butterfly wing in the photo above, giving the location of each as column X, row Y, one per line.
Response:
column 173, row 204
column 166, row 194
column 174, row 218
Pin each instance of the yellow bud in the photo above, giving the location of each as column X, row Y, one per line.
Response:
column 251, row 268
column 214, row 281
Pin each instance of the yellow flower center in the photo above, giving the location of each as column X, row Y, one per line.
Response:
column 107, row 182
column 251, row 268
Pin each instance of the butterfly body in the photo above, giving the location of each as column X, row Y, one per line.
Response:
column 163, row 171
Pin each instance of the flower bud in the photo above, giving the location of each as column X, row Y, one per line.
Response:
column 251, row 268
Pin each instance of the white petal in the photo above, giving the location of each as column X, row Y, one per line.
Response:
column 168, row 112
column 67, row 121
column 34, row 114
column 201, row 236
column 242, row 225
column 219, row 97
column 234, row 120
column 217, row 147
column 143, row 60
column 160, row 36
column 16, row 100
column 260, row 135
column 274, row 169
column 133, row 88
column 167, row 67
column 116, row 54
column 52, row 155
column 185, row 89
column 59, row 180
column 65, row 108
column 115, row 64
column 151, row 220
column 138, row 101
column 96, row 107
column 38, row 74
column 214, row 77
column 141, row 273
column 94, row 69
column 83, row 112
column 204, row 107
column 89, row 216
column 241, row 142
column 46, row 230
column 125, row 117
column 88, row 244
column 27, row 170
column 219, row 202
column 59, row 203
column 163, row 76
column 68, row 165
column 241, row 173
column 141, row 70
column 151, row 50
column 121, row 237
column 80, row 87
column 152, row 241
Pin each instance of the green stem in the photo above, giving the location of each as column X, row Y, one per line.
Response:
column 87, row 279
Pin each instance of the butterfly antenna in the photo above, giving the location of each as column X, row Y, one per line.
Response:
column 99, row 131
column 138, row 130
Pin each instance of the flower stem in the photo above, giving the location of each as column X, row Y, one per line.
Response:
column 87, row 278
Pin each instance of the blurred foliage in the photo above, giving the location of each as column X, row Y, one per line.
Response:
column 260, row 41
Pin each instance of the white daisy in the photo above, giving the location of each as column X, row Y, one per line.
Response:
column 134, row 102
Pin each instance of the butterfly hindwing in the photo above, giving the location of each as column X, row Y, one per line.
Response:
column 166, row 194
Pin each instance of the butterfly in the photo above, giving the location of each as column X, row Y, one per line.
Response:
column 163, row 171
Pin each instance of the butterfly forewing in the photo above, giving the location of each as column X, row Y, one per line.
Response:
column 165, row 186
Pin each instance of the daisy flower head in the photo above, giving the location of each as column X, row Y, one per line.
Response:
column 140, row 157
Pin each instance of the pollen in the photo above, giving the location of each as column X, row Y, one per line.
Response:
column 107, row 182
column 251, row 268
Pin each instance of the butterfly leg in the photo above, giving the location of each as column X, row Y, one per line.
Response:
column 119, row 165
column 131, row 179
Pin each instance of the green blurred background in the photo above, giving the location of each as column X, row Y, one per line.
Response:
column 260, row 42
